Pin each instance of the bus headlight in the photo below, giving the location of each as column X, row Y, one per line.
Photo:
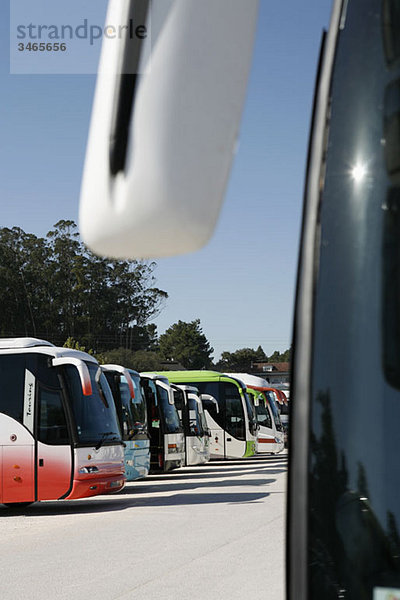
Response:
column 85, row 470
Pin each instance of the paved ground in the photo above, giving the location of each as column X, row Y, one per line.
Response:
column 214, row 532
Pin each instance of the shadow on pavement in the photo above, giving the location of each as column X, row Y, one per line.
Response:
column 144, row 493
column 130, row 488
column 118, row 503
column 209, row 474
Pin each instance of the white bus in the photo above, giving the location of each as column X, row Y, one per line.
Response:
column 167, row 441
column 229, row 412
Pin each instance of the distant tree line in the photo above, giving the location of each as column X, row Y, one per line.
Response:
column 54, row 288
column 243, row 360
column 185, row 343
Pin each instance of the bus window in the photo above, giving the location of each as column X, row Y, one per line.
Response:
column 213, row 389
column 52, row 424
column 275, row 410
column 12, row 370
column 138, row 404
column 251, row 414
column 170, row 414
column 195, row 423
column 179, row 403
column 353, row 514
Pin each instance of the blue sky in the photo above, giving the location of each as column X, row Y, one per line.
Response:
column 241, row 285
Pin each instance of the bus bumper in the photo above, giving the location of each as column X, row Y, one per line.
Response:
column 83, row 488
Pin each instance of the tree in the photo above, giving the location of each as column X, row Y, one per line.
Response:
column 187, row 344
column 55, row 288
column 24, row 275
column 240, row 361
column 260, row 355
column 281, row 357
column 139, row 360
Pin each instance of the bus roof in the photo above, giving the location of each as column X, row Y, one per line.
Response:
column 252, row 381
column 155, row 376
column 193, row 376
column 186, row 388
column 134, row 373
column 33, row 345
column 26, row 342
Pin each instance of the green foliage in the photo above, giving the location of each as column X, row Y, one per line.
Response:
column 55, row 288
column 241, row 360
column 187, row 344
column 139, row 360
column 281, row 357
column 75, row 345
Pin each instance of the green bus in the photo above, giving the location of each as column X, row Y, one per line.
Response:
column 229, row 412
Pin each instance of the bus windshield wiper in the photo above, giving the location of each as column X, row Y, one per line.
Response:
column 103, row 438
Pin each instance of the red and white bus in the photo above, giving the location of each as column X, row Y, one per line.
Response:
column 59, row 433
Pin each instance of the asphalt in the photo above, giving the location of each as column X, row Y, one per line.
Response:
column 215, row 532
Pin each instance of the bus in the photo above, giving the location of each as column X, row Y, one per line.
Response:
column 229, row 412
column 271, row 433
column 167, row 441
column 59, row 432
column 130, row 404
column 191, row 414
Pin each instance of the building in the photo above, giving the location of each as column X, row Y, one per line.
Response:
column 276, row 373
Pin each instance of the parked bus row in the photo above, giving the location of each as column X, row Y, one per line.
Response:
column 70, row 428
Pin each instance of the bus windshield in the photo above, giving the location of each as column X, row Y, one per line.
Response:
column 250, row 410
column 169, row 412
column 134, row 416
column 271, row 399
column 95, row 415
column 195, row 422
column 263, row 416
column 230, row 414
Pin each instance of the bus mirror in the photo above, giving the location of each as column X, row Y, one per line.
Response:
column 174, row 125
column 208, row 398
column 83, row 371
column 123, row 372
column 196, row 398
column 256, row 400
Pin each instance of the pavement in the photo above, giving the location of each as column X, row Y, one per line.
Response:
column 215, row 531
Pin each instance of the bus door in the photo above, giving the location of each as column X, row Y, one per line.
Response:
column 214, row 414
column 180, row 400
column 235, row 421
column 154, row 421
column 54, row 456
column 174, row 437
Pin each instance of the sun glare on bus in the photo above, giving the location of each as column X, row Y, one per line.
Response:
column 358, row 172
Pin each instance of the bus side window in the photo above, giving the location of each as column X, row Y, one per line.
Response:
column 52, row 424
column 12, row 376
